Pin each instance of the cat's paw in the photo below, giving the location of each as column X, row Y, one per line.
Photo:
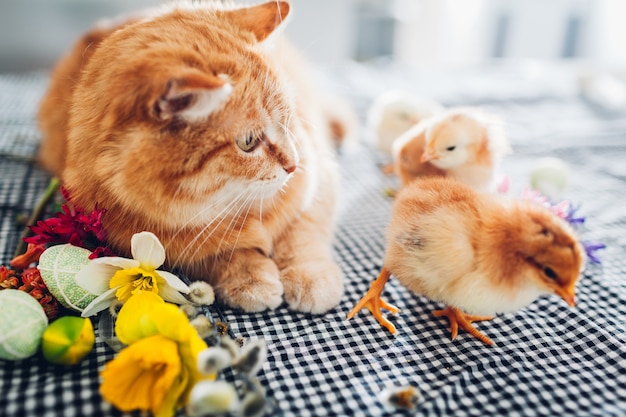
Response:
column 256, row 287
column 312, row 287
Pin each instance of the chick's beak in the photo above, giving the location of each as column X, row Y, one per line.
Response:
column 568, row 294
column 428, row 157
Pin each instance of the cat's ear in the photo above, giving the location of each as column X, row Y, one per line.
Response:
column 191, row 95
column 262, row 20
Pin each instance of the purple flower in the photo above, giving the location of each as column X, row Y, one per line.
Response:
column 567, row 211
column 571, row 216
column 591, row 248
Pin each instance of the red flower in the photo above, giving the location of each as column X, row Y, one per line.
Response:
column 32, row 254
column 8, row 279
column 5, row 273
column 101, row 251
column 70, row 226
column 33, row 284
column 31, row 277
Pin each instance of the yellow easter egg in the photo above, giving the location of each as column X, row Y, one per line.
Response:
column 58, row 266
column 68, row 340
column 22, row 323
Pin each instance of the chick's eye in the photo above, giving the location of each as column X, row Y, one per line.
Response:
column 247, row 142
column 450, row 148
column 549, row 272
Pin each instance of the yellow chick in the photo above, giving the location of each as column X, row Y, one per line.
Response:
column 407, row 151
column 467, row 144
column 393, row 113
column 480, row 254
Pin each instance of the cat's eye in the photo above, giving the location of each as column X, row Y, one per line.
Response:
column 248, row 142
column 450, row 148
column 549, row 272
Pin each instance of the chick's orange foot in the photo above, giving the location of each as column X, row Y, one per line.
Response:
column 372, row 301
column 457, row 319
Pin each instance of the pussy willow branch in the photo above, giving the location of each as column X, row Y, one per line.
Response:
column 48, row 195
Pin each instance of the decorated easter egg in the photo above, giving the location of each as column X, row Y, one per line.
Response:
column 58, row 266
column 22, row 323
column 67, row 340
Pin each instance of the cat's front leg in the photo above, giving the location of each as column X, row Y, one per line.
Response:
column 247, row 279
column 312, row 280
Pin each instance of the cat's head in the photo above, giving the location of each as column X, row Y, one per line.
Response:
column 183, row 115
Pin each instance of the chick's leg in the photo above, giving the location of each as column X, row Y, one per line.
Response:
column 458, row 319
column 372, row 301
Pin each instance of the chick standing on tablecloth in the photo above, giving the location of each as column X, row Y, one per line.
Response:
column 478, row 253
column 394, row 112
column 466, row 144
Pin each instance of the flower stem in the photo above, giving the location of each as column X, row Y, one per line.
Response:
column 53, row 186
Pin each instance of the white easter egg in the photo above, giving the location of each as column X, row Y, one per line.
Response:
column 550, row 176
column 58, row 266
column 22, row 322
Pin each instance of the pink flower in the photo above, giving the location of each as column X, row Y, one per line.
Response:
column 535, row 196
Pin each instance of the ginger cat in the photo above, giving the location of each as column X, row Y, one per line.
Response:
column 191, row 124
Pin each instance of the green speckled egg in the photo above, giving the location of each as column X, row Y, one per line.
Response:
column 550, row 176
column 22, row 322
column 58, row 266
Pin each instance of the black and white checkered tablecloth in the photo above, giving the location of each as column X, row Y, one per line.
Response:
column 548, row 360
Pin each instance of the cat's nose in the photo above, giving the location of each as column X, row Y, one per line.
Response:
column 289, row 169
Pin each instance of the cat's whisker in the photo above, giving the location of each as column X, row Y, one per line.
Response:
column 280, row 14
column 198, row 214
column 234, row 218
column 288, row 132
column 301, row 168
column 220, row 216
column 252, row 199
column 261, row 212
column 306, row 122
column 267, row 87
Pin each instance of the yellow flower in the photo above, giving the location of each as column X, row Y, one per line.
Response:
column 148, row 375
column 120, row 278
column 158, row 369
column 130, row 281
column 147, row 314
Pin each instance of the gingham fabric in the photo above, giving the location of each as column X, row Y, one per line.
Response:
column 548, row 359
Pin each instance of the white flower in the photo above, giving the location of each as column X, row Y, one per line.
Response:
column 201, row 293
column 252, row 357
column 202, row 325
column 119, row 278
column 213, row 359
column 212, row 397
column 253, row 405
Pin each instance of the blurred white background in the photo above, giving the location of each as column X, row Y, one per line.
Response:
column 34, row 33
